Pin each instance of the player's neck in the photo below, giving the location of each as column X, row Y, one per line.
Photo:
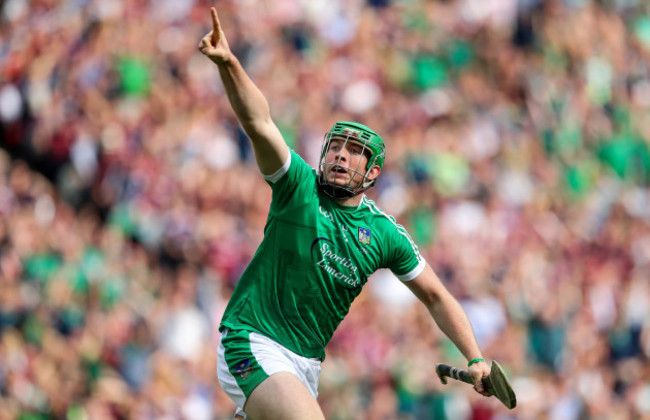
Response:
column 353, row 201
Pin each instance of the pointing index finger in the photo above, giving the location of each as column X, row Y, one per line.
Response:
column 215, row 19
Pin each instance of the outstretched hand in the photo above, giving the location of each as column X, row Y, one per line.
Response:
column 478, row 371
column 214, row 45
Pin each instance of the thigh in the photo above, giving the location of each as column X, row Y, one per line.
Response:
column 280, row 383
column 238, row 370
column 282, row 396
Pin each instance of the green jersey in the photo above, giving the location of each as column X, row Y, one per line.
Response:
column 315, row 257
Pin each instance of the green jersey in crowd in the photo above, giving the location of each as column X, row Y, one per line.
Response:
column 315, row 257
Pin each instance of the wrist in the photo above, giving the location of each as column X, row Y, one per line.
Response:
column 475, row 360
column 224, row 60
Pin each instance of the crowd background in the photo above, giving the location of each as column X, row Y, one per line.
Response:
column 517, row 139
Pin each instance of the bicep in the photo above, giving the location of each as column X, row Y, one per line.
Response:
column 271, row 151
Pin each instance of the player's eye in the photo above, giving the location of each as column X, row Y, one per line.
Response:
column 355, row 150
column 336, row 145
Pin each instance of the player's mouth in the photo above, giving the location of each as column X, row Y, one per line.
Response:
column 338, row 171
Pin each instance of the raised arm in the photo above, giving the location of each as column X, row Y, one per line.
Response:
column 452, row 320
column 247, row 101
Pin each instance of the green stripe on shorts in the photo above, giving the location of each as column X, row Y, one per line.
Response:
column 241, row 362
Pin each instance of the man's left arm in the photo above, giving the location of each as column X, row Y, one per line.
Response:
column 450, row 316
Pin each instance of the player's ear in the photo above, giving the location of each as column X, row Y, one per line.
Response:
column 374, row 172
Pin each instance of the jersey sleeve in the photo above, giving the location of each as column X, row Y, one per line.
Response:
column 293, row 180
column 404, row 258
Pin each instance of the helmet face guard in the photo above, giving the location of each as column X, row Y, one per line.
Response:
column 372, row 147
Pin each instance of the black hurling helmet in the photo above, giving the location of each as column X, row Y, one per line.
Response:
column 373, row 147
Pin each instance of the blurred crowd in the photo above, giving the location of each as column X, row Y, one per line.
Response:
column 518, row 138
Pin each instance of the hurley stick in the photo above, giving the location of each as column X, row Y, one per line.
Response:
column 496, row 383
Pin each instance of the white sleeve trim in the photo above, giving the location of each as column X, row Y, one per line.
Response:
column 413, row 273
column 277, row 175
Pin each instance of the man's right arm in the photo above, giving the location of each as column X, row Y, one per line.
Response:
column 450, row 316
column 248, row 103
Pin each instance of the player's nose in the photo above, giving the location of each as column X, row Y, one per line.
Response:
column 342, row 154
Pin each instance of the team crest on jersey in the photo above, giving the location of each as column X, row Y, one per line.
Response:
column 364, row 236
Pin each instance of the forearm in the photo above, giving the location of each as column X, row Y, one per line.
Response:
column 452, row 320
column 446, row 312
column 247, row 101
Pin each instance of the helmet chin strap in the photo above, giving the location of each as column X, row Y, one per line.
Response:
column 336, row 191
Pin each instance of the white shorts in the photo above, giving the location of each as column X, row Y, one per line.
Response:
column 245, row 359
